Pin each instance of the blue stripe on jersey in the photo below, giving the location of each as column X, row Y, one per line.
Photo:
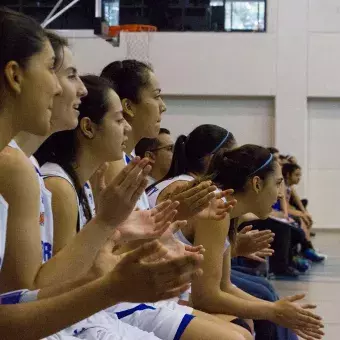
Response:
column 130, row 311
column 183, row 325
column 11, row 298
column 127, row 159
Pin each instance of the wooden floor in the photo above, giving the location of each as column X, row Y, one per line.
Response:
column 321, row 284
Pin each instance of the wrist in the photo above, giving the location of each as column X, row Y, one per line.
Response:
column 270, row 311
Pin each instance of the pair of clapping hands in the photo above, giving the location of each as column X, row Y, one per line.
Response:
column 166, row 264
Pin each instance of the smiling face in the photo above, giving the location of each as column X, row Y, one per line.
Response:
column 65, row 106
column 36, row 86
column 147, row 113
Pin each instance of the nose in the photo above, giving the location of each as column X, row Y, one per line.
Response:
column 58, row 88
column 163, row 106
column 127, row 127
column 82, row 90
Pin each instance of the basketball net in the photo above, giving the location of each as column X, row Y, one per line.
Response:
column 138, row 46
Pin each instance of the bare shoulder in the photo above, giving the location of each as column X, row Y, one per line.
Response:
column 16, row 172
column 60, row 188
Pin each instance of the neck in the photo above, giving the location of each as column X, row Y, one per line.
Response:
column 29, row 143
column 86, row 164
column 241, row 208
column 8, row 129
column 157, row 174
column 132, row 141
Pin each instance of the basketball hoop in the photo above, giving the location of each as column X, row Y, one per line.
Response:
column 137, row 39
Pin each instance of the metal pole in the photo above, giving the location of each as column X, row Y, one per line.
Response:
column 59, row 13
column 56, row 6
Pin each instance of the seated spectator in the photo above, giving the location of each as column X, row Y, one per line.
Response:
column 159, row 150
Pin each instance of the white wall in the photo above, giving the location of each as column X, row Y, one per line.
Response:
column 236, row 115
column 296, row 60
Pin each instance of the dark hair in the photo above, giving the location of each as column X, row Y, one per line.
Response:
column 21, row 37
column 58, row 43
column 231, row 169
column 189, row 151
column 273, row 150
column 288, row 169
column 129, row 76
column 61, row 147
column 149, row 144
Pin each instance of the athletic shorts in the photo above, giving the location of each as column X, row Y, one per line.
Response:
column 166, row 319
column 102, row 326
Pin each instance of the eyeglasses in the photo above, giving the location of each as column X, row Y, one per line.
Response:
column 169, row 148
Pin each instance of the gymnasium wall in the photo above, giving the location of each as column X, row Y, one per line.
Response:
column 279, row 87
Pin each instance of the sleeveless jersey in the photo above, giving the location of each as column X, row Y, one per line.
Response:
column 3, row 227
column 155, row 191
column 46, row 217
column 55, row 170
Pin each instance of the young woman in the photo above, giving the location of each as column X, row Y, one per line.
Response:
column 27, row 66
column 70, row 159
column 255, row 178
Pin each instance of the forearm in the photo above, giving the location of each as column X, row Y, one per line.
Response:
column 75, row 259
column 35, row 320
column 297, row 201
column 227, row 303
column 64, row 287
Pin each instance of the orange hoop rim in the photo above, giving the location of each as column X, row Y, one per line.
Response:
column 115, row 30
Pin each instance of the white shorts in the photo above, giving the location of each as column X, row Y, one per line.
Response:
column 166, row 319
column 102, row 326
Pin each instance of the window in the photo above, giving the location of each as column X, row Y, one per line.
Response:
column 111, row 12
column 244, row 16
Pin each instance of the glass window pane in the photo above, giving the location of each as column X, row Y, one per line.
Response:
column 245, row 15
column 227, row 18
column 111, row 12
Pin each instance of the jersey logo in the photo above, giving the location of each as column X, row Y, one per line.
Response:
column 46, row 251
column 42, row 219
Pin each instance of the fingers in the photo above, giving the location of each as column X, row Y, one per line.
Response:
column 312, row 333
column 197, row 249
column 178, row 265
column 126, row 170
column 308, row 306
column 224, row 193
column 256, row 258
column 139, row 191
column 177, row 225
column 193, row 189
column 160, row 207
column 246, row 229
column 154, row 248
column 167, row 213
column 181, row 280
column 294, row 298
column 134, row 175
column 202, row 202
column 307, row 335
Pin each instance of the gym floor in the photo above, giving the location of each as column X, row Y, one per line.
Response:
column 321, row 283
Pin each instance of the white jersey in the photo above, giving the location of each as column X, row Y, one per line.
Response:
column 3, row 227
column 155, row 191
column 55, row 170
column 46, row 217
column 125, row 320
column 142, row 203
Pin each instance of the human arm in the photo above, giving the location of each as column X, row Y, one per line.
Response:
column 20, row 188
column 155, row 282
column 214, row 293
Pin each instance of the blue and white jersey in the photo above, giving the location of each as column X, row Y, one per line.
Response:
column 55, row 170
column 46, row 216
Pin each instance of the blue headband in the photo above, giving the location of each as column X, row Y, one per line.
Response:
column 263, row 165
column 219, row 145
